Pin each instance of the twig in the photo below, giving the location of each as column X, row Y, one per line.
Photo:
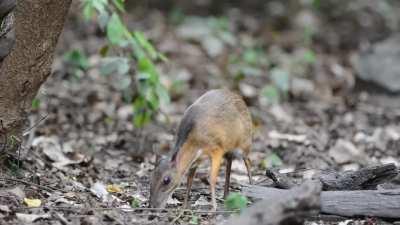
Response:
column 158, row 210
column 35, row 125
column 178, row 217
column 62, row 219
column 30, row 184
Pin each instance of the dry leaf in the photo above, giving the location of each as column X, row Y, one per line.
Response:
column 112, row 188
column 32, row 202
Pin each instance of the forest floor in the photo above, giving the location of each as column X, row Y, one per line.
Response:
column 84, row 159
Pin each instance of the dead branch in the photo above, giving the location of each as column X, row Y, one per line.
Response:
column 282, row 206
column 353, row 195
column 364, row 179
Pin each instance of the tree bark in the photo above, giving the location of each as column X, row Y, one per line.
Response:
column 364, row 179
column 38, row 24
column 283, row 207
column 379, row 203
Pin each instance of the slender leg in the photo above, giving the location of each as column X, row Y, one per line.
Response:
column 248, row 167
column 229, row 158
column 216, row 160
column 192, row 172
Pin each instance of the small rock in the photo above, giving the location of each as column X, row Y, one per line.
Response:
column 351, row 167
column 173, row 201
column 301, row 87
column 125, row 112
column 280, row 114
column 379, row 63
column 389, row 159
column 100, row 190
column 30, row 218
column 213, row 46
column 202, row 201
column 392, row 133
column 345, row 152
column 4, row 208
column 247, row 90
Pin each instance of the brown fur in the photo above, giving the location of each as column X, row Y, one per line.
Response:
column 219, row 120
column 215, row 124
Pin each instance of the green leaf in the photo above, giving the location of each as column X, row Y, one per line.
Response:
column 194, row 220
column 271, row 93
column 117, row 32
column 147, row 70
column 119, row 4
column 250, row 56
column 141, row 119
column 281, row 79
column 145, row 44
column 176, row 16
column 142, row 115
column 236, row 201
column 103, row 19
column 35, row 104
column 309, row 57
column 135, row 203
column 77, row 59
column 110, row 65
column 88, row 12
column 162, row 94
column 145, row 65
column 162, row 57
column 90, row 6
column 138, row 52
column 152, row 99
column 104, row 50
column 316, row 4
column 273, row 160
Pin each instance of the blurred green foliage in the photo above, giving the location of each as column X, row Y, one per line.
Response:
column 138, row 51
column 35, row 104
column 272, row 160
column 236, row 201
column 135, row 203
column 77, row 59
column 194, row 220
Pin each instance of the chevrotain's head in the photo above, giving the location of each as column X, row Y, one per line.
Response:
column 164, row 181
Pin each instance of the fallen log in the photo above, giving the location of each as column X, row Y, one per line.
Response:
column 364, row 179
column 292, row 208
column 378, row 203
column 348, row 193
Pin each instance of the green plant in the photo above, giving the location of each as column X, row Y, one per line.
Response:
column 272, row 160
column 236, row 201
column 35, row 104
column 135, row 203
column 77, row 59
column 271, row 94
column 77, row 63
column 134, row 49
column 194, row 220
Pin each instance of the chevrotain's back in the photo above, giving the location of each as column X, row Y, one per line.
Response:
column 218, row 118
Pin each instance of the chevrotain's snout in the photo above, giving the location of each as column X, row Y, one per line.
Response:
column 162, row 184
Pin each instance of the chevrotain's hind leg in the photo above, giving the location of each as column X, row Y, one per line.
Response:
column 191, row 174
column 229, row 158
column 216, row 159
column 247, row 162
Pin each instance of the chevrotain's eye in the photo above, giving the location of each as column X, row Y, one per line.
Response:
column 166, row 180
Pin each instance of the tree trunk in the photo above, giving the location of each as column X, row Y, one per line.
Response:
column 37, row 25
